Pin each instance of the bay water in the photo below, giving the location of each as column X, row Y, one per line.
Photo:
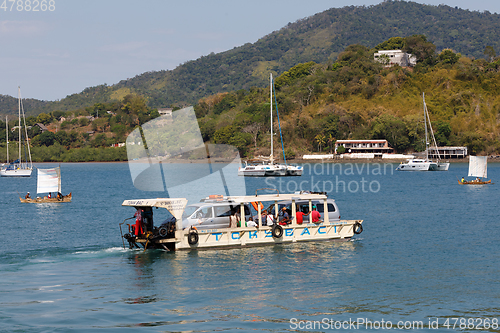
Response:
column 428, row 259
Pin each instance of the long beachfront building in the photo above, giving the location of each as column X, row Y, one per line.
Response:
column 377, row 147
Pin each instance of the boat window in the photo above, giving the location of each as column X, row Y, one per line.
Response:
column 189, row 211
column 304, row 208
column 270, row 209
column 320, row 207
column 205, row 212
column 222, row 211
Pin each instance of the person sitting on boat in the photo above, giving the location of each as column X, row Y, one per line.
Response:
column 263, row 215
column 269, row 220
column 300, row 216
column 251, row 223
column 138, row 229
column 283, row 217
column 59, row 196
column 27, row 196
column 315, row 215
column 463, row 180
column 50, row 195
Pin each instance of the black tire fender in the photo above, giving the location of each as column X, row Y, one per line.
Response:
column 357, row 228
column 193, row 237
column 163, row 231
column 277, row 231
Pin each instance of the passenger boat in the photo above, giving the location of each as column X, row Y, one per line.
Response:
column 208, row 224
column 425, row 164
column 478, row 167
column 264, row 166
column 48, row 181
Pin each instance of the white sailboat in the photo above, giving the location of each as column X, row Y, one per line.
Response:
column 263, row 166
column 48, row 181
column 18, row 168
column 6, row 139
column 478, row 167
column 419, row 164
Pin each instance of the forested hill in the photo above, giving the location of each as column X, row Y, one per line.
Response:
column 319, row 38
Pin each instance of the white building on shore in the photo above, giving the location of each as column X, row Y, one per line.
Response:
column 395, row 57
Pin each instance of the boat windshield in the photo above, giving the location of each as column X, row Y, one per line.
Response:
column 189, row 211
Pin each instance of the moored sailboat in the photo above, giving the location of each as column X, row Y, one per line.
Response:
column 18, row 168
column 425, row 164
column 264, row 166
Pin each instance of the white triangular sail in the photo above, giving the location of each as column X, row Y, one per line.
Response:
column 478, row 166
column 49, row 180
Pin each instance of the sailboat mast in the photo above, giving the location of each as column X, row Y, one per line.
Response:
column 425, row 124
column 271, row 93
column 7, row 134
column 26, row 134
column 19, row 106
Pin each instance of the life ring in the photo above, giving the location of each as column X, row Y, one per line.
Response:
column 256, row 205
column 163, row 232
column 357, row 228
column 193, row 237
column 277, row 231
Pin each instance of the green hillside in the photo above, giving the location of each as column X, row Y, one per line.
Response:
column 353, row 97
column 357, row 98
column 319, row 38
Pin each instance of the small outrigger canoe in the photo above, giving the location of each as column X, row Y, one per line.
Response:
column 57, row 199
column 48, row 181
column 174, row 234
column 474, row 182
column 478, row 167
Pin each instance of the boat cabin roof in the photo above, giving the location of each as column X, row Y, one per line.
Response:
column 176, row 205
column 276, row 197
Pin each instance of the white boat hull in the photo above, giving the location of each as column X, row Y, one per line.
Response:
column 293, row 170
column 418, row 165
column 16, row 173
column 443, row 166
column 263, row 170
column 266, row 170
column 252, row 236
column 251, row 172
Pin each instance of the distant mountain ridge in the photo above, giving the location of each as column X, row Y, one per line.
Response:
column 318, row 38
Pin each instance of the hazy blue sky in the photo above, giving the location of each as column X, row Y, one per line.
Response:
column 52, row 54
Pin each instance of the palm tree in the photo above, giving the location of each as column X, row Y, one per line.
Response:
column 320, row 139
column 331, row 140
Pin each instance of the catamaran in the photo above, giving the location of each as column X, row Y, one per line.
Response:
column 264, row 166
column 18, row 168
column 419, row 164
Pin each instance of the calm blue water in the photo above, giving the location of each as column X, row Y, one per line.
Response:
column 430, row 249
